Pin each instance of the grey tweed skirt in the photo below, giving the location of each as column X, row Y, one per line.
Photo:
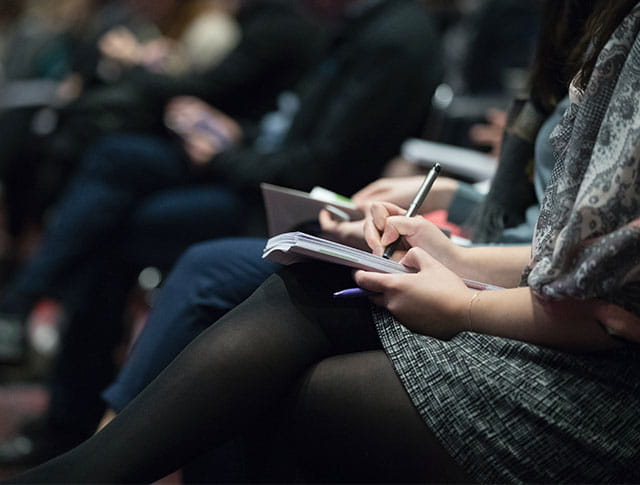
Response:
column 508, row 411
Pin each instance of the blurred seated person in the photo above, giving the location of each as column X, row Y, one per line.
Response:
column 42, row 145
column 489, row 46
column 39, row 159
column 49, row 57
column 209, row 34
column 140, row 200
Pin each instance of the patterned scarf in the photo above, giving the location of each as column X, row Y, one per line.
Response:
column 587, row 241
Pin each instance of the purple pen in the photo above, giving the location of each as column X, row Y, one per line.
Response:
column 353, row 293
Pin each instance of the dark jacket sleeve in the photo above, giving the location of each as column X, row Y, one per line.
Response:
column 275, row 49
column 381, row 100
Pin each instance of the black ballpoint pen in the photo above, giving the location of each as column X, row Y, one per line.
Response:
column 415, row 204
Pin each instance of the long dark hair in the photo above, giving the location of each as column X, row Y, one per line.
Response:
column 600, row 28
column 572, row 35
column 573, row 32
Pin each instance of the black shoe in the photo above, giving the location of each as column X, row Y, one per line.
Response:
column 13, row 342
column 36, row 444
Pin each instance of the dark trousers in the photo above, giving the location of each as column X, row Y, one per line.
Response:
column 207, row 281
column 134, row 192
column 132, row 203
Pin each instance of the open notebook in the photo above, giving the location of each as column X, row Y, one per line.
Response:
column 292, row 247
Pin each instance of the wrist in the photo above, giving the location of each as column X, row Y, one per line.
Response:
column 467, row 264
column 473, row 299
column 461, row 313
column 457, row 259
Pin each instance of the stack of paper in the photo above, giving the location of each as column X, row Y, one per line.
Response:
column 293, row 247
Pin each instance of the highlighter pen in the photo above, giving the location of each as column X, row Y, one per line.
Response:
column 415, row 204
column 353, row 293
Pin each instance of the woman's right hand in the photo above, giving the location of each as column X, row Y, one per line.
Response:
column 387, row 222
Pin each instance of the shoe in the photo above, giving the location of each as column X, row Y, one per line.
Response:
column 13, row 343
column 36, row 444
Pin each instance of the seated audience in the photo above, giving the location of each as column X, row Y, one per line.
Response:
column 99, row 97
column 146, row 198
column 431, row 380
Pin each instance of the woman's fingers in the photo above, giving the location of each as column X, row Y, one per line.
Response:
column 417, row 258
column 397, row 226
column 372, row 281
column 380, row 211
column 327, row 223
column 379, row 214
column 372, row 237
column 375, row 225
column 400, row 226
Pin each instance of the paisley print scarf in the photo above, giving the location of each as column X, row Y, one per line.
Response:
column 587, row 240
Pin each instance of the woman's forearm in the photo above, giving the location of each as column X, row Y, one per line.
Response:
column 517, row 314
column 498, row 265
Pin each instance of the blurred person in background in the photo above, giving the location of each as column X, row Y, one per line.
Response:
column 42, row 39
column 42, row 136
column 201, row 33
column 279, row 43
column 351, row 116
column 43, row 45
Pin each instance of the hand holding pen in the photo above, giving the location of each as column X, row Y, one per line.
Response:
column 386, row 222
column 416, row 203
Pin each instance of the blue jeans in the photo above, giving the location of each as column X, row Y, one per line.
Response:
column 128, row 188
column 207, row 281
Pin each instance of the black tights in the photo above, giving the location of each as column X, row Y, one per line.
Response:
column 289, row 350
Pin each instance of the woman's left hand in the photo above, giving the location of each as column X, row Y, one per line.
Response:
column 434, row 301
column 350, row 233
